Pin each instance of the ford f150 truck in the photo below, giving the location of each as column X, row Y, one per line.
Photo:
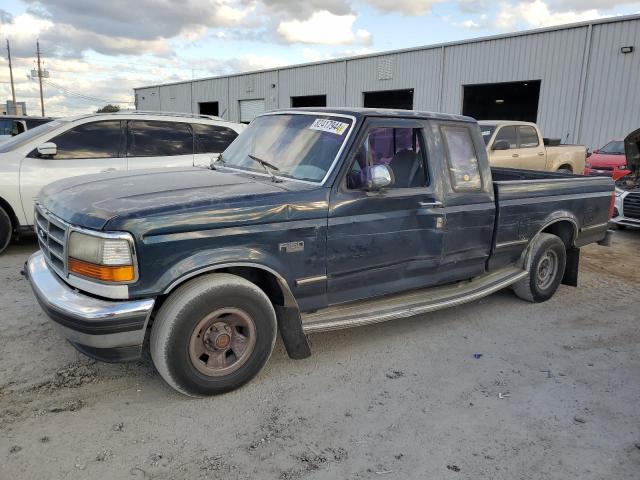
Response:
column 313, row 220
column 520, row 145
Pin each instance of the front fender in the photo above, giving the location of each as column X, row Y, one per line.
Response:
column 217, row 258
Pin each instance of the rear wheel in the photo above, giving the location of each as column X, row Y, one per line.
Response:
column 213, row 335
column 546, row 265
column 6, row 229
column 565, row 170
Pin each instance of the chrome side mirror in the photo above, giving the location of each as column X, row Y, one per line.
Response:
column 47, row 149
column 379, row 177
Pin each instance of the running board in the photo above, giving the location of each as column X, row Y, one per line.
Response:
column 409, row 304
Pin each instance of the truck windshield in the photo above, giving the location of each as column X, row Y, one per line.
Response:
column 613, row 148
column 300, row 146
column 23, row 138
column 487, row 132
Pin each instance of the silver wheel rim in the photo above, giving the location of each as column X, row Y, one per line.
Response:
column 222, row 342
column 547, row 268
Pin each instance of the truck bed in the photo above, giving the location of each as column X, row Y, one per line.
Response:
column 527, row 201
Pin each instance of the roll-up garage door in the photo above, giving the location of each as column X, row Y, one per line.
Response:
column 250, row 109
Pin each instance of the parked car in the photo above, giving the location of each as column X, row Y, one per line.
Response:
column 314, row 220
column 609, row 160
column 521, row 145
column 627, row 206
column 112, row 142
column 12, row 125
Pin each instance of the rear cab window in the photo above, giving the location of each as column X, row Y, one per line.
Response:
column 462, row 159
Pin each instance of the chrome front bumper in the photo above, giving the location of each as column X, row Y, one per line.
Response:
column 103, row 329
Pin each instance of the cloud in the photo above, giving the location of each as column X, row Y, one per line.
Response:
column 301, row 10
column 406, row 7
column 324, row 28
column 474, row 6
column 538, row 14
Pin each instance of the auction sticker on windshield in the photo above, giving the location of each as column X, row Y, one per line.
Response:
column 331, row 126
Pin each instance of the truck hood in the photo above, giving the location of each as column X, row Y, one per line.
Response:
column 91, row 201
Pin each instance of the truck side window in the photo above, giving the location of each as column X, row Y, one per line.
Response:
column 400, row 149
column 509, row 134
column 461, row 158
column 528, row 137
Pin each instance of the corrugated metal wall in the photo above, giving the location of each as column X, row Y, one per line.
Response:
column 553, row 57
column 590, row 92
column 611, row 107
column 419, row 70
column 323, row 79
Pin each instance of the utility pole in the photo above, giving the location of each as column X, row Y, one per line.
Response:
column 40, row 77
column 13, row 90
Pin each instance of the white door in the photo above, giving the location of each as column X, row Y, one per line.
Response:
column 210, row 142
column 92, row 147
column 159, row 144
column 250, row 109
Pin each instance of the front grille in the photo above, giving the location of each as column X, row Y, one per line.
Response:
column 52, row 237
column 631, row 205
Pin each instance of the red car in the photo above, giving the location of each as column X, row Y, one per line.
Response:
column 609, row 160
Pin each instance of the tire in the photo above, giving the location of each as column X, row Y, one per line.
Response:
column 196, row 338
column 546, row 265
column 565, row 170
column 619, row 226
column 6, row 229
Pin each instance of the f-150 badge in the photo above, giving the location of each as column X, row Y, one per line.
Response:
column 291, row 247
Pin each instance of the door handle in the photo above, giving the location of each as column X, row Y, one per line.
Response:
column 515, row 155
column 108, row 170
column 541, row 153
column 434, row 204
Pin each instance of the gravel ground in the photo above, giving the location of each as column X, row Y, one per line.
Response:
column 496, row 389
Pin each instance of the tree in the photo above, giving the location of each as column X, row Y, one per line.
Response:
column 109, row 109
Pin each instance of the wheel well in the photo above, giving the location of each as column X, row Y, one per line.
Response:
column 7, row 208
column 566, row 167
column 265, row 280
column 563, row 229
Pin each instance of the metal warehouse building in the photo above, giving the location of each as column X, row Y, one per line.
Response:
column 580, row 82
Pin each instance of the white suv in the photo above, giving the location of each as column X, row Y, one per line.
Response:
column 72, row 146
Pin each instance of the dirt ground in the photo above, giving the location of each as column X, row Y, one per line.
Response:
column 496, row 389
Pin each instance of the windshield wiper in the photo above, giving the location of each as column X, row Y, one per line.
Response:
column 269, row 168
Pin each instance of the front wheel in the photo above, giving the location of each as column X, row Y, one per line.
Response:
column 6, row 230
column 546, row 265
column 213, row 334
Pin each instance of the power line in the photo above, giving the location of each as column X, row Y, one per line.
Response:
column 82, row 96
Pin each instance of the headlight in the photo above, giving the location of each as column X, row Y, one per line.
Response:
column 622, row 167
column 105, row 259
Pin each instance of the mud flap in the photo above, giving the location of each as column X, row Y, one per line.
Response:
column 571, row 270
column 290, row 326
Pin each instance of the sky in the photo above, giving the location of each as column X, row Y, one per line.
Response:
column 96, row 52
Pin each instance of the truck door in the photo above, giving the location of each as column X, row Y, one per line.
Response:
column 469, row 204
column 531, row 149
column 92, row 147
column 509, row 158
column 390, row 240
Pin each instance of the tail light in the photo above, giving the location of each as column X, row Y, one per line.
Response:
column 612, row 204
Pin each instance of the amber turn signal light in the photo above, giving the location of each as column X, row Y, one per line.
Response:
column 121, row 273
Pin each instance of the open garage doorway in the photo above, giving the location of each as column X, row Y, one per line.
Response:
column 309, row 101
column 502, row 101
column 209, row 108
column 389, row 99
